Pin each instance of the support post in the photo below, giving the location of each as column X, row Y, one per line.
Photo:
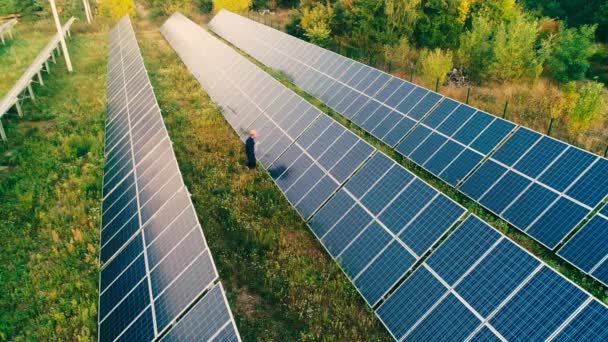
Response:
column 504, row 112
column 2, row 38
column 40, row 78
column 31, row 91
column 46, row 66
column 468, row 93
column 606, row 152
column 437, row 86
column 19, row 109
column 64, row 47
column 411, row 74
column 86, row 11
column 2, row 133
column 53, row 56
column 550, row 126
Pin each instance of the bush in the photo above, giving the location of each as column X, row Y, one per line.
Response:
column 232, row 5
column 294, row 25
column 205, row 6
column 434, row 65
column 572, row 48
column 316, row 23
column 588, row 105
column 116, row 9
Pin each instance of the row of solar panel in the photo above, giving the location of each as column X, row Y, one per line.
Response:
column 542, row 186
column 155, row 260
column 379, row 224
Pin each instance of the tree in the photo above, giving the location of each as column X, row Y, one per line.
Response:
column 475, row 52
column 316, row 22
column 439, row 25
column 232, row 5
column 402, row 16
column 515, row 52
column 399, row 55
column 434, row 65
column 116, row 9
column 571, row 50
column 588, row 105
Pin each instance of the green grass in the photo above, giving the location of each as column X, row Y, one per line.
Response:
column 281, row 285
column 29, row 37
column 50, row 182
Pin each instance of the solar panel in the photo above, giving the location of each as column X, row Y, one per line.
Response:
column 541, row 186
column 479, row 285
column 308, row 155
column 155, row 262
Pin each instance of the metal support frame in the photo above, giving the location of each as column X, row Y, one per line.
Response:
column 2, row 132
column 31, row 92
column 40, row 78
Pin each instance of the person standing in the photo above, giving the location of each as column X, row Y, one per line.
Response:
column 250, row 150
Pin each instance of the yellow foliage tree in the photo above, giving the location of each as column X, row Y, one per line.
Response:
column 316, row 23
column 116, row 9
column 435, row 65
column 232, row 5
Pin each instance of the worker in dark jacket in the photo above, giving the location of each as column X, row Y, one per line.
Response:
column 250, row 149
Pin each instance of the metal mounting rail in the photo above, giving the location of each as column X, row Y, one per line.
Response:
column 18, row 93
column 7, row 27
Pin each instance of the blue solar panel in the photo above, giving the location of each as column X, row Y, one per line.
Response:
column 449, row 321
column 363, row 180
column 592, row 187
column 386, row 189
column 440, row 112
column 386, row 124
column 472, row 128
column 591, row 324
column 395, row 135
column 524, row 210
column 407, row 205
column 390, row 87
column 462, row 249
column 350, row 161
column 345, row 230
column 331, row 213
column 539, row 308
column 427, row 148
column 540, row 156
column 411, row 100
column 456, row 120
column 588, row 246
column 431, row 224
column 367, row 245
column 410, row 302
column 460, row 167
column 504, row 192
column 443, row 157
column 485, row 335
column 567, row 168
column 384, row 272
column 516, row 146
column 404, row 90
column 498, row 274
column 424, row 105
column 601, row 273
column 479, row 182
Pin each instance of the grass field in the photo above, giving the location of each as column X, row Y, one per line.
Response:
column 50, row 182
column 28, row 39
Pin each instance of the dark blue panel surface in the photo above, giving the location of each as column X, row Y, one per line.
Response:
column 388, row 89
column 351, row 160
column 407, row 205
column 122, row 285
column 504, row 192
column 444, row 156
column 365, row 112
column 346, row 230
column 493, row 135
column 496, row 276
column 386, row 189
column 293, row 172
column 371, row 242
column 591, row 324
column 384, row 272
column 375, row 119
column 482, row 179
column 539, row 308
column 141, row 330
column 121, row 262
column 413, row 140
column 316, row 197
column 371, row 171
column 410, row 302
column 411, row 100
column 386, row 125
column 325, row 219
column 462, row 249
column 424, row 106
column 540, row 156
column 516, row 146
column 124, row 313
column 431, row 224
column 456, row 120
column 472, row 128
column 588, row 246
column 395, row 135
column 449, row 321
column 529, row 206
column 427, row 148
column 592, row 187
column 204, row 320
column 404, row 90
column 557, row 222
column 461, row 167
column 565, row 170
column 303, row 185
column 440, row 113
column 485, row 335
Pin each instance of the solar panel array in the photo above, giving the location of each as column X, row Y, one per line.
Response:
column 540, row 185
column 384, row 219
column 155, row 262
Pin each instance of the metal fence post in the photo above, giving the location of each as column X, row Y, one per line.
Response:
column 468, row 93
column 606, row 152
column 504, row 113
column 550, row 126
column 437, row 86
column 411, row 74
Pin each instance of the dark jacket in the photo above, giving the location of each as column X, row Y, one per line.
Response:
column 250, row 149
